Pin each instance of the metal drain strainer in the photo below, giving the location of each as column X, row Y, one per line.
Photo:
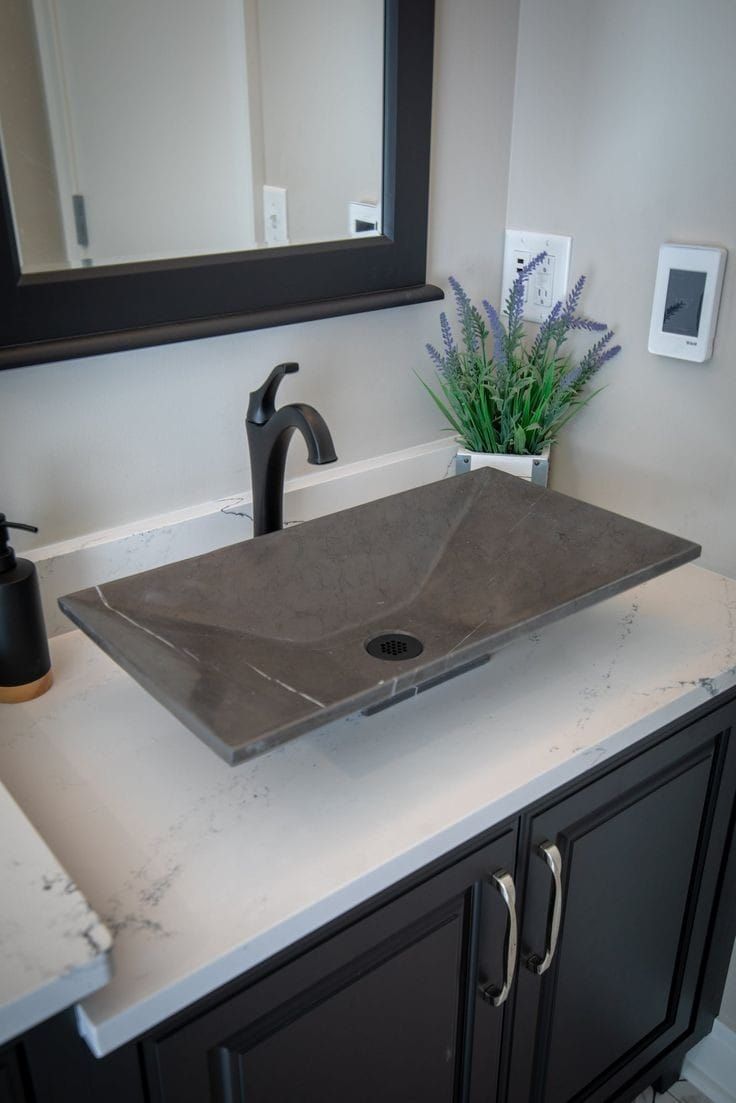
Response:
column 394, row 646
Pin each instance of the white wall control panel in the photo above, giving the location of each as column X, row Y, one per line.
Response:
column 275, row 224
column 687, row 292
column 364, row 219
column 548, row 282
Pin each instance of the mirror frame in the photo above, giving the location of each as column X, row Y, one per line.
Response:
column 73, row 312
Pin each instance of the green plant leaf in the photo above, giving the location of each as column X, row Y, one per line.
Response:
column 518, row 405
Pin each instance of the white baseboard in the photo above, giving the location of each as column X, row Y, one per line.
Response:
column 711, row 1065
column 100, row 557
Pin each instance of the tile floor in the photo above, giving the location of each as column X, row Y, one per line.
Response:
column 681, row 1092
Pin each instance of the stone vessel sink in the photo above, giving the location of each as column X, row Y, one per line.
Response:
column 264, row 640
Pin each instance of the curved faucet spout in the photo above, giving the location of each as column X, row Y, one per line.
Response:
column 312, row 426
column 269, row 434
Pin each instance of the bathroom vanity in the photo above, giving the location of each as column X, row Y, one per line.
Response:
column 332, row 920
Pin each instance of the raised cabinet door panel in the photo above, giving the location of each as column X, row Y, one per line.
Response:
column 11, row 1083
column 621, row 972
column 362, row 1042
column 62, row 1069
column 385, row 1010
column 638, row 889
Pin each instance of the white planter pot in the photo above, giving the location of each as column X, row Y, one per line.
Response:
column 535, row 469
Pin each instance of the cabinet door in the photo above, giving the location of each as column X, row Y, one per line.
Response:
column 385, row 1010
column 61, row 1067
column 640, row 852
column 11, row 1081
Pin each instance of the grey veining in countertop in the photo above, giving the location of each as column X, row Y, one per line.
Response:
column 53, row 948
column 203, row 872
column 264, row 640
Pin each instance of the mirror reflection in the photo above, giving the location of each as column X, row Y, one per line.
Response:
column 153, row 129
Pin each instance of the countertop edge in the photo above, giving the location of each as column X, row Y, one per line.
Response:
column 61, row 953
column 106, row 1035
column 49, row 999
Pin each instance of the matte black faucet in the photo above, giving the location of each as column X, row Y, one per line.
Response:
column 269, row 434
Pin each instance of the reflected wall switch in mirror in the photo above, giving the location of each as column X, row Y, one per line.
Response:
column 256, row 92
column 364, row 219
column 274, row 215
column 548, row 282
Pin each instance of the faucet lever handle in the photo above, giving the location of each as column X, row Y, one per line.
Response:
column 262, row 405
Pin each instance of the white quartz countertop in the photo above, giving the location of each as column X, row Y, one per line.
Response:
column 53, row 948
column 201, row 870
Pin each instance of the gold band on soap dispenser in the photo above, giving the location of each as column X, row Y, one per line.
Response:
column 14, row 695
column 25, row 663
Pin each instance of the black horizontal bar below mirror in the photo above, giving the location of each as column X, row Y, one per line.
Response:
column 72, row 312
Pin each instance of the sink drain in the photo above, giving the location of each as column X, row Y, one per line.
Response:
column 393, row 646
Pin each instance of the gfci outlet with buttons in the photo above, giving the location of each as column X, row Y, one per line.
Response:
column 548, row 282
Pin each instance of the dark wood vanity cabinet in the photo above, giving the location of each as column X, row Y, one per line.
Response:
column 379, row 1012
column 641, row 852
column 618, row 880
column 618, row 886
column 12, row 1088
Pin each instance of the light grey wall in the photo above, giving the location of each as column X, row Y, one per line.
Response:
column 26, row 140
column 156, row 129
column 613, row 142
column 321, row 70
column 624, row 137
column 97, row 442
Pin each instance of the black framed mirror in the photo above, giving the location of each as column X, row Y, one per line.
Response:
column 68, row 312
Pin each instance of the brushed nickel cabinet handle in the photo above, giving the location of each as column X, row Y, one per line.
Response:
column 503, row 882
column 553, row 858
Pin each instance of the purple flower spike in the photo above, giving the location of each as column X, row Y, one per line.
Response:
column 436, row 358
column 447, row 339
column 554, row 313
column 545, row 330
column 572, row 377
column 464, row 314
column 573, row 299
column 579, row 322
column 515, row 301
column 597, row 350
column 462, row 302
column 610, row 353
column 529, row 267
column 591, row 362
column 499, row 334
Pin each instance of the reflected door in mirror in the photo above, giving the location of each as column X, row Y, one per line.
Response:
column 155, row 129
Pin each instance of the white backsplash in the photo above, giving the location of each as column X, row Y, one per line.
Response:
column 100, row 557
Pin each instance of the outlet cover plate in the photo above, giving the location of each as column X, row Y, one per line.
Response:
column 549, row 281
column 275, row 221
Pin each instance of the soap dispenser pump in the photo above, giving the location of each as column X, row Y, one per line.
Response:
column 25, row 665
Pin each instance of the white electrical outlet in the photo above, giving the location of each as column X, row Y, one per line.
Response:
column 276, row 227
column 548, row 281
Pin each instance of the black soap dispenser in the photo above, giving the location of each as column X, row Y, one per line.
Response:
column 25, row 665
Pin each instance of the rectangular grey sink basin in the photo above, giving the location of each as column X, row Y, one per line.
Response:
column 265, row 640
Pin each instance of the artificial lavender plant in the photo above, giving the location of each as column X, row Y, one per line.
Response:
column 512, row 394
